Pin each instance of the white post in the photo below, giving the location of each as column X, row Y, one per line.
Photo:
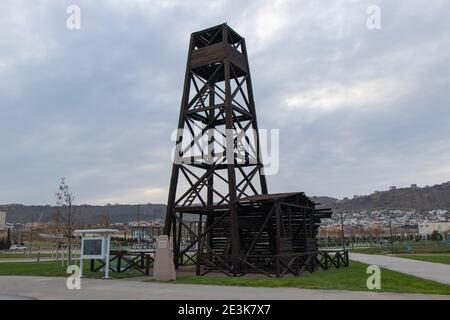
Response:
column 107, row 241
column 81, row 256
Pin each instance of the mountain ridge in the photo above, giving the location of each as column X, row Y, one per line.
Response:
column 426, row 198
column 85, row 214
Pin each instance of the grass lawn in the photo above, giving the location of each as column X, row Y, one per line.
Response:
column 54, row 269
column 383, row 250
column 352, row 278
column 438, row 258
column 411, row 249
column 22, row 255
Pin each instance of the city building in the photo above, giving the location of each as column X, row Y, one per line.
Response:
column 426, row 228
column 36, row 225
column 2, row 221
column 146, row 230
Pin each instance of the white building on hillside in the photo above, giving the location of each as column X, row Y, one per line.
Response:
column 2, row 221
column 427, row 228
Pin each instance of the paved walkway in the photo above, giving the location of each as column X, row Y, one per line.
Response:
column 427, row 270
column 96, row 289
column 26, row 260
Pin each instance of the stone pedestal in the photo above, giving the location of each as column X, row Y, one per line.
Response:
column 164, row 269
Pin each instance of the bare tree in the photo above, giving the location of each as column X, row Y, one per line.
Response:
column 104, row 219
column 30, row 240
column 65, row 199
column 55, row 225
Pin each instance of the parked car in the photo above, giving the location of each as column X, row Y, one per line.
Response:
column 17, row 247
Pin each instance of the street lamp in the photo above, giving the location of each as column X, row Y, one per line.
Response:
column 392, row 241
column 20, row 225
column 342, row 232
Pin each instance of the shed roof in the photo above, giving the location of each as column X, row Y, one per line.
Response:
column 270, row 197
column 96, row 231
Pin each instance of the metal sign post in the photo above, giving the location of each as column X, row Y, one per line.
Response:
column 95, row 244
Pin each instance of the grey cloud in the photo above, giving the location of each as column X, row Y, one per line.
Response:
column 98, row 105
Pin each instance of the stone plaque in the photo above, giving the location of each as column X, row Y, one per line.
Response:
column 162, row 244
column 164, row 268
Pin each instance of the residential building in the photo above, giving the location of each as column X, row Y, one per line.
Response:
column 427, row 228
column 2, row 221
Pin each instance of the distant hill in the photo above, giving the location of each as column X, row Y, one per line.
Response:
column 427, row 198
column 325, row 201
column 85, row 213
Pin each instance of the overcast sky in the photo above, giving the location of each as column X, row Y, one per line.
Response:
column 358, row 109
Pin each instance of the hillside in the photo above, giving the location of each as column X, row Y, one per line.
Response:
column 427, row 198
column 325, row 202
column 86, row 213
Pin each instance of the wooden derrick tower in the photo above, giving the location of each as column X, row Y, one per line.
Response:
column 217, row 99
column 219, row 213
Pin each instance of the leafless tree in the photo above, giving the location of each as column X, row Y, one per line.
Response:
column 65, row 199
column 55, row 226
column 30, row 240
column 104, row 219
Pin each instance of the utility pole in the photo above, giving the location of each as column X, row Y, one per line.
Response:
column 69, row 231
column 138, row 213
column 31, row 236
column 20, row 227
column 392, row 241
column 342, row 232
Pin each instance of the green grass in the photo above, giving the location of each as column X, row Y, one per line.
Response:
column 383, row 250
column 352, row 278
column 413, row 248
column 54, row 269
column 437, row 258
column 12, row 255
column 22, row 255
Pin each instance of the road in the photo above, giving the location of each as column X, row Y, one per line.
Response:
column 98, row 289
column 427, row 270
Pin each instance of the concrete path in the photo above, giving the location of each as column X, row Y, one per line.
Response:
column 97, row 289
column 26, row 260
column 427, row 270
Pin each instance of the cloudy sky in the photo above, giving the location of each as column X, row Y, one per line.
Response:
column 358, row 109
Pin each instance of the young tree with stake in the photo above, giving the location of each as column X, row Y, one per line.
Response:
column 64, row 199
